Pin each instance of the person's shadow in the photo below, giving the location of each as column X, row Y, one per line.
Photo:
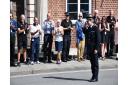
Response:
column 63, row 78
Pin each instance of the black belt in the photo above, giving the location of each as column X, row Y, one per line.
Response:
column 47, row 34
column 67, row 35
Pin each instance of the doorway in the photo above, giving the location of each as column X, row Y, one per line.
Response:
column 17, row 8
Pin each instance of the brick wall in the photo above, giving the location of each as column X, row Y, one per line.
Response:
column 58, row 7
column 104, row 6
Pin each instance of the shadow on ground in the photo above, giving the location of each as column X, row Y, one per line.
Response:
column 63, row 78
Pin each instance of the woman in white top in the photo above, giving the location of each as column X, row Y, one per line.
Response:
column 58, row 32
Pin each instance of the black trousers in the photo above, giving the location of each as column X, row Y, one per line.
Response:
column 12, row 50
column 111, row 43
column 48, row 39
column 116, row 47
column 94, row 65
column 66, row 47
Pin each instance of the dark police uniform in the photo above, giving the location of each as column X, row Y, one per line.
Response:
column 111, row 34
column 22, row 37
column 93, row 42
column 66, row 39
column 13, row 29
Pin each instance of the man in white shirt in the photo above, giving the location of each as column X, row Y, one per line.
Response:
column 35, row 31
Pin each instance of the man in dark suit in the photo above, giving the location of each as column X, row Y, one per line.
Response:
column 111, row 20
column 93, row 43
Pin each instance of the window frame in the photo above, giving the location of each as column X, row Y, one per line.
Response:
column 78, row 11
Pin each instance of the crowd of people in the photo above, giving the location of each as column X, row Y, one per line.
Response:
column 94, row 35
column 95, row 38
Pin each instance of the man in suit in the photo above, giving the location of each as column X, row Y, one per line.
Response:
column 111, row 21
column 93, row 43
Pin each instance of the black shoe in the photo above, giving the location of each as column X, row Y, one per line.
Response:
column 50, row 62
column 45, row 61
column 116, row 58
column 68, row 59
column 12, row 64
column 112, row 54
column 93, row 80
column 64, row 60
column 18, row 64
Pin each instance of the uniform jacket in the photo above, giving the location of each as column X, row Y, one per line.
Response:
column 93, row 38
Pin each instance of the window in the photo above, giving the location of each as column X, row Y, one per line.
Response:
column 74, row 7
column 84, row 7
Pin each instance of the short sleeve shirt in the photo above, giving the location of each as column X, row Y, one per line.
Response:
column 66, row 24
column 14, row 24
column 34, row 29
column 22, row 26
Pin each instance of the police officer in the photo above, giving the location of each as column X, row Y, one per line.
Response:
column 93, row 42
column 67, row 26
column 111, row 20
column 48, row 28
column 13, row 29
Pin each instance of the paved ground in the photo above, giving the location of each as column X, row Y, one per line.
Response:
column 68, row 66
column 106, row 77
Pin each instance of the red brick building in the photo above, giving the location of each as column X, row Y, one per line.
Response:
column 57, row 8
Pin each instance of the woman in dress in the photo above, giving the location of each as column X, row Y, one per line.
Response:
column 104, row 28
